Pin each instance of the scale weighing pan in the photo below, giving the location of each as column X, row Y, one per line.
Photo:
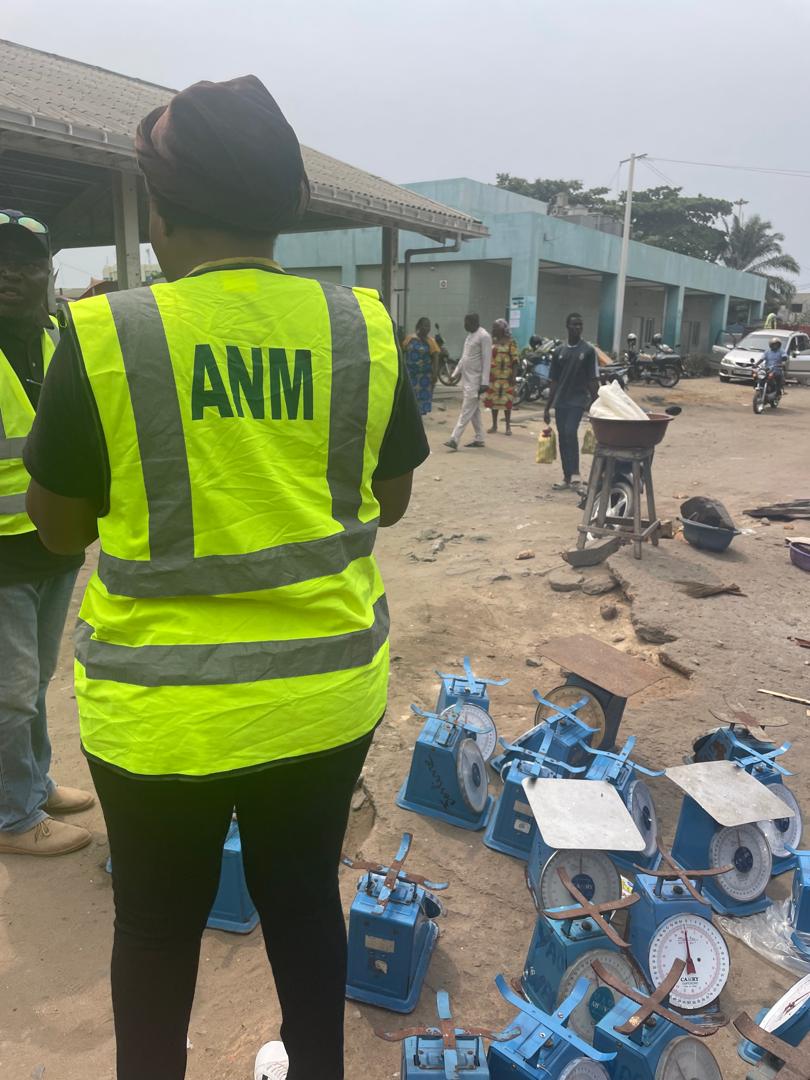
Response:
column 601, row 664
column 728, row 793
column 582, row 815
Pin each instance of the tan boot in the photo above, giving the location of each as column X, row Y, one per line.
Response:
column 68, row 800
column 49, row 837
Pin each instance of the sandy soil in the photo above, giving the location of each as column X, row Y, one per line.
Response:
column 471, row 597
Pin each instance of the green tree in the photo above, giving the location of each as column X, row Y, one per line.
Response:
column 689, row 224
column 754, row 246
column 546, row 190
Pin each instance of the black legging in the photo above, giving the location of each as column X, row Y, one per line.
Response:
column 568, row 418
column 166, row 841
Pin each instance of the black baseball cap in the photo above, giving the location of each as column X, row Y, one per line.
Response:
column 27, row 225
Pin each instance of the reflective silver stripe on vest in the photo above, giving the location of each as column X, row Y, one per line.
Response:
column 172, row 569
column 12, row 504
column 232, row 662
column 11, row 448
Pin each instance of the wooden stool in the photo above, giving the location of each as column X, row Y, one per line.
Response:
column 599, row 484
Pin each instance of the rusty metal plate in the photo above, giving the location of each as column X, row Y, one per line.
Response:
column 728, row 793
column 601, row 664
column 582, row 815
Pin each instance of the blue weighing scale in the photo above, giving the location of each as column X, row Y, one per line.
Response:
column 673, row 921
column 608, row 675
column 623, row 773
column 571, row 722
column 749, row 745
column 718, row 826
column 448, row 1051
column 780, row 1056
column 448, row 776
column 800, row 903
column 568, row 937
column 647, row 1038
column 467, row 689
column 546, row 1047
column 788, row 1019
column 512, row 828
column 391, row 933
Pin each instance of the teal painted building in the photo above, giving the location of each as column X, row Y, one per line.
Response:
column 533, row 269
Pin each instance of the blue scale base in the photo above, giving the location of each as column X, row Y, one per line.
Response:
column 473, row 824
column 400, row 1005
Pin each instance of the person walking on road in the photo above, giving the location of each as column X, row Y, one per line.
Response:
column 574, row 386
column 473, row 367
column 35, row 585
column 422, row 361
column 236, row 437
column 502, row 375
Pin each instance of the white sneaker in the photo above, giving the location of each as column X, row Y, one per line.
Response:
column 272, row 1062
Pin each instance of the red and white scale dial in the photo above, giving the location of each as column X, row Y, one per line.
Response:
column 700, row 945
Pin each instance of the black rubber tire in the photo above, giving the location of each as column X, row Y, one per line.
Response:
column 669, row 377
column 446, row 377
column 724, row 378
column 534, row 391
column 759, row 403
column 520, row 391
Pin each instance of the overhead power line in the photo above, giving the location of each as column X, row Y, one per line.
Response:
column 802, row 174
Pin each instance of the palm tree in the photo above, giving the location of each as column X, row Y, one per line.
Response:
column 754, row 247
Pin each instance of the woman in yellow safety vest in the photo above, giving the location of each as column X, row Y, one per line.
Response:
column 238, row 435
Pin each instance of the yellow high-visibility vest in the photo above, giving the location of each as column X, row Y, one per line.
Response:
column 16, row 419
column 237, row 615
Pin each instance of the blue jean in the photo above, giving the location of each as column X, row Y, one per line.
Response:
column 32, row 617
column 568, row 418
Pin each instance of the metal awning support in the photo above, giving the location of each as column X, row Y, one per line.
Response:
column 390, row 258
column 127, row 235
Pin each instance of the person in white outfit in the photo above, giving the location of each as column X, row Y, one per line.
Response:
column 474, row 370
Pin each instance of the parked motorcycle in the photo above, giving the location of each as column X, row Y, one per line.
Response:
column 532, row 381
column 660, row 365
column 446, row 365
column 767, row 390
column 609, row 373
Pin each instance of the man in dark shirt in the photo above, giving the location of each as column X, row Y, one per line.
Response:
column 574, row 386
column 35, row 585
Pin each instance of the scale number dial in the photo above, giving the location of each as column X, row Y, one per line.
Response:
column 600, row 998
column 592, row 872
column 583, row 1068
column 477, row 720
column 792, row 1004
column 687, row 1058
column 640, row 803
column 591, row 713
column 745, row 848
column 693, row 939
column 783, row 832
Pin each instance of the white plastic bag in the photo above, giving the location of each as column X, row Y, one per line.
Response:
column 614, row 404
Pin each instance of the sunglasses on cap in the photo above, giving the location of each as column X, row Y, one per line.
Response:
column 12, row 217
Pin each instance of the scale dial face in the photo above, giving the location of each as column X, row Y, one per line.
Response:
column 745, row 848
column 701, row 945
column 471, row 770
column 783, row 831
column 795, row 1001
column 583, row 1068
column 591, row 713
column 591, row 871
column 475, row 719
column 600, row 998
column 687, row 1058
column 640, row 803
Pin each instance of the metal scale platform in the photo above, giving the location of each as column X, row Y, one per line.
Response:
column 648, row 1038
column 391, row 932
column 717, row 826
column 546, row 1046
column 446, row 1050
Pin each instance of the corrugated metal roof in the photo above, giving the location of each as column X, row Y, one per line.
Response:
column 60, row 98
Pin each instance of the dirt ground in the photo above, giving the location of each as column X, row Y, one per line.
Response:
column 469, row 596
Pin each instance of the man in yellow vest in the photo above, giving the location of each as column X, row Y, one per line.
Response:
column 242, row 434
column 35, row 584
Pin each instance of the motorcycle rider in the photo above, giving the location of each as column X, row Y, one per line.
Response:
column 773, row 358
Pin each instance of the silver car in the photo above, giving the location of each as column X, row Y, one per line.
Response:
column 739, row 362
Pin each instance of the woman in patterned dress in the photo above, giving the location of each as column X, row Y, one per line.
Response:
column 505, row 362
column 422, row 361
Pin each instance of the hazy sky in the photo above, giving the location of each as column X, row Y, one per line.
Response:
column 424, row 89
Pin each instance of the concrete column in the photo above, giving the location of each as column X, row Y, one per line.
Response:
column 673, row 315
column 390, row 257
column 523, row 293
column 348, row 271
column 607, row 311
column 757, row 310
column 719, row 317
column 127, row 232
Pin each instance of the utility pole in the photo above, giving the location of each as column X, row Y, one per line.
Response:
column 622, row 278
column 740, row 203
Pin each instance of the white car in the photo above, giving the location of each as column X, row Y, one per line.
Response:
column 739, row 362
